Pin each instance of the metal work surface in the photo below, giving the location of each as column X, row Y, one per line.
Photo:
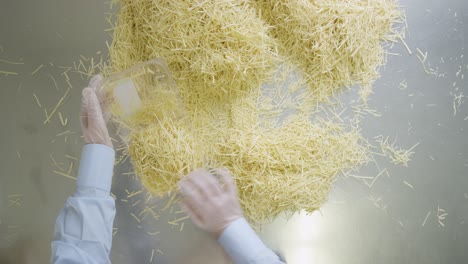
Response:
column 384, row 223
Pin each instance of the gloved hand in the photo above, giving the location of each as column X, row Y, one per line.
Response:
column 93, row 120
column 211, row 206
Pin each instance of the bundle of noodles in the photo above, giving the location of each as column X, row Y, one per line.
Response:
column 335, row 43
column 287, row 168
column 218, row 50
column 290, row 168
column 214, row 49
column 162, row 153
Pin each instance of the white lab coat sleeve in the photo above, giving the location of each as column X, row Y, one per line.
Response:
column 83, row 229
column 243, row 245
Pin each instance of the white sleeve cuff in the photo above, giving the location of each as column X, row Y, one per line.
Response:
column 241, row 242
column 96, row 167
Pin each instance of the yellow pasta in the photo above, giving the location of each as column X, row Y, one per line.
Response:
column 220, row 53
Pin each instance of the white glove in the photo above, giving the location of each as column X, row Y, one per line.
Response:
column 93, row 120
column 211, row 206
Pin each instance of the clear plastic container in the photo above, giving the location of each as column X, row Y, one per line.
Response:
column 130, row 86
column 143, row 90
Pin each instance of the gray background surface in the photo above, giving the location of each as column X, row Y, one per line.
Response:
column 350, row 227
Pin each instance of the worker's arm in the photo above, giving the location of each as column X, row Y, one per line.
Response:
column 243, row 245
column 216, row 209
column 83, row 230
